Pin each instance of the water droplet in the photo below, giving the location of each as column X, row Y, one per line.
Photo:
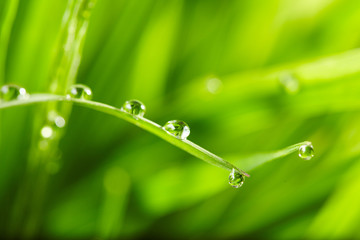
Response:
column 60, row 122
column 177, row 128
column 134, row 107
column 289, row 83
column 236, row 179
column 56, row 119
column 306, row 151
column 80, row 91
column 86, row 11
column 47, row 132
column 214, row 85
column 11, row 92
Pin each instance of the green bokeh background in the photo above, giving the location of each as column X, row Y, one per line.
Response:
column 215, row 65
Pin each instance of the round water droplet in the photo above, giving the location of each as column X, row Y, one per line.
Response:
column 236, row 179
column 11, row 92
column 134, row 107
column 214, row 85
column 177, row 128
column 306, row 151
column 56, row 120
column 289, row 83
column 47, row 132
column 80, row 91
column 60, row 122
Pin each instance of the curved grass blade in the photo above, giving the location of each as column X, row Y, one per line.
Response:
column 256, row 160
column 141, row 122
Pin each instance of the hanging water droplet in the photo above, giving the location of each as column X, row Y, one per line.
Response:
column 236, row 179
column 177, row 128
column 134, row 107
column 306, row 151
column 289, row 83
column 80, row 91
column 11, row 92
column 47, row 132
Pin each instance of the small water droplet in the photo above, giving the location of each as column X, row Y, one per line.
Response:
column 177, row 128
column 289, row 83
column 134, row 107
column 80, row 91
column 56, row 119
column 11, row 92
column 60, row 122
column 47, row 132
column 306, row 151
column 236, row 179
column 86, row 10
column 214, row 85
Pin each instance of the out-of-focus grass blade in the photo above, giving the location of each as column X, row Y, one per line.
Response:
column 6, row 23
column 116, row 191
column 155, row 47
column 341, row 212
column 237, row 88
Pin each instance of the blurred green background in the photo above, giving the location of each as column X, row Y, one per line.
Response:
column 219, row 66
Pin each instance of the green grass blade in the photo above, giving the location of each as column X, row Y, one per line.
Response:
column 143, row 123
column 256, row 160
column 5, row 31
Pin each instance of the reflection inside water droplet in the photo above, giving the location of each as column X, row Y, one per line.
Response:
column 177, row 128
column 11, row 92
column 236, row 179
column 80, row 91
column 134, row 107
column 306, row 151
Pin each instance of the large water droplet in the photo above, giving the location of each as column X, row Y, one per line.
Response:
column 306, row 151
column 134, row 107
column 289, row 83
column 177, row 128
column 80, row 91
column 11, row 92
column 236, row 179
